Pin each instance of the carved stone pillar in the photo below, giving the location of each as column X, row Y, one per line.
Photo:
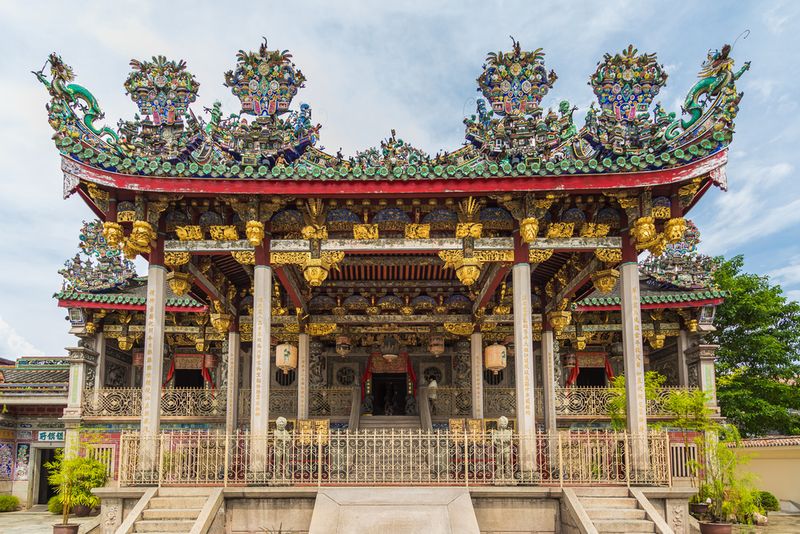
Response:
column 100, row 368
column 476, row 369
column 153, row 366
column 683, row 369
column 259, row 408
column 549, row 381
column 82, row 361
column 633, row 354
column 303, row 355
column 232, row 382
column 523, row 363
column 701, row 373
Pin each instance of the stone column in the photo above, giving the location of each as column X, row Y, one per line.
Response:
column 683, row 369
column 80, row 360
column 476, row 368
column 232, row 394
column 100, row 368
column 153, row 364
column 633, row 353
column 259, row 408
column 549, row 381
column 303, row 356
column 702, row 374
column 523, row 365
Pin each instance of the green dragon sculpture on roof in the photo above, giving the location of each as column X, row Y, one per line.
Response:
column 509, row 134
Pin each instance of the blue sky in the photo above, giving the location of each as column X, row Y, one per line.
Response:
column 372, row 67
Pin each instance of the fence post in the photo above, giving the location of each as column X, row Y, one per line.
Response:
column 668, row 452
column 319, row 461
column 560, row 462
column 160, row 453
column 628, row 460
column 227, row 459
column 466, row 459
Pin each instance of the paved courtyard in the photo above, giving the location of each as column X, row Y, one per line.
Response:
column 34, row 521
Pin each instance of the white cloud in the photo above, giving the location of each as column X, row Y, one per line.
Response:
column 13, row 345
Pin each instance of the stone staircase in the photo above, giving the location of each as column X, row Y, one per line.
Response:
column 614, row 510
column 172, row 510
column 388, row 422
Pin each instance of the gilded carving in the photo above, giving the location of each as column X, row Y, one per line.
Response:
column 560, row 229
column 365, row 231
column 488, row 256
column 608, row 255
column 288, row 258
column 559, row 320
column 320, row 329
column 245, row 257
column 528, row 229
column 655, row 340
column 661, row 212
column 459, row 329
column 315, row 272
column 126, row 216
column 220, row 320
column 315, row 231
column 451, row 258
column 604, row 281
column 417, row 231
column 223, row 232
column 176, row 259
column 674, row 229
column 140, row 240
column 179, row 283
column 246, row 331
column 189, row 233
column 469, row 229
column 254, row 230
column 644, row 231
column 113, row 234
column 595, row 230
column 658, row 246
column 539, row 255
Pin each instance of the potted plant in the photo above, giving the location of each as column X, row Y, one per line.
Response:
column 74, row 478
column 732, row 495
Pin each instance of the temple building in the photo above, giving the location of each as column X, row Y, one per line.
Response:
column 318, row 321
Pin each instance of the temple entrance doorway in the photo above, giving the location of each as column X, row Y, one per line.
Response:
column 45, row 490
column 389, row 390
column 592, row 377
column 188, row 378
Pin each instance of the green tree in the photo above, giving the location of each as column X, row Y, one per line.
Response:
column 758, row 361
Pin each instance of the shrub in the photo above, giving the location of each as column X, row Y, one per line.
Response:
column 768, row 501
column 8, row 503
column 54, row 505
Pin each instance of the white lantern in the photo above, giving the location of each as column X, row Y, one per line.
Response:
column 495, row 358
column 286, row 357
column 436, row 345
column 343, row 345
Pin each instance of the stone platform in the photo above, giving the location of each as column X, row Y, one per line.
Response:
column 407, row 510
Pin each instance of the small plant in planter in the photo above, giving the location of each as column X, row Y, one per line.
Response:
column 732, row 496
column 74, row 479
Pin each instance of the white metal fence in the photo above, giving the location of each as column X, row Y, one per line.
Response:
column 394, row 457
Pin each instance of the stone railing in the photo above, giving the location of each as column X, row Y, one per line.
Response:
column 594, row 402
column 500, row 401
column 178, row 402
column 282, row 403
column 450, row 402
column 330, row 402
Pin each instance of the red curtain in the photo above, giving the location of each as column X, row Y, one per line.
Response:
column 170, row 372
column 573, row 375
column 609, row 370
column 411, row 375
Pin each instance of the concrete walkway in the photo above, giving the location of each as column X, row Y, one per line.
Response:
column 33, row 522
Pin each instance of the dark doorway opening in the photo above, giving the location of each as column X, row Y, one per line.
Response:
column 591, row 377
column 46, row 492
column 188, row 378
column 389, row 390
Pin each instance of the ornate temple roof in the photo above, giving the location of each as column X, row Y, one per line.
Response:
column 510, row 134
column 133, row 297
column 34, row 375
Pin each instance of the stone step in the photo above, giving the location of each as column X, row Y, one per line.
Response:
column 171, row 513
column 609, row 502
column 624, row 525
column 182, row 491
column 178, row 502
column 615, row 513
column 601, row 491
column 155, row 525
